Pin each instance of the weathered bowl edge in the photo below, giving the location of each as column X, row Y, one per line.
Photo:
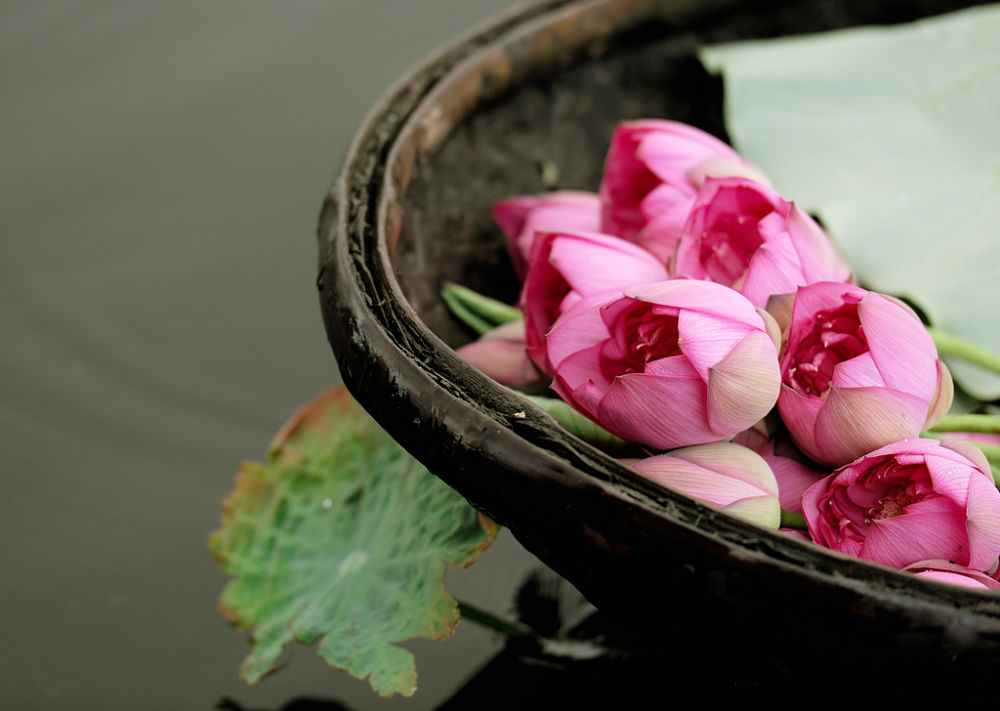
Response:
column 353, row 242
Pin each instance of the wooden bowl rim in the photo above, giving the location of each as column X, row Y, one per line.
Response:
column 357, row 277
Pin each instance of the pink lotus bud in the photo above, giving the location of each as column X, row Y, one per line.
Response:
column 859, row 371
column 721, row 474
column 793, row 471
column 667, row 364
column 521, row 218
column 743, row 234
column 567, row 266
column 910, row 501
column 500, row 354
column 651, row 175
column 945, row 571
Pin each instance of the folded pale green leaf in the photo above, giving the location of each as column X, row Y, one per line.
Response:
column 343, row 539
column 890, row 135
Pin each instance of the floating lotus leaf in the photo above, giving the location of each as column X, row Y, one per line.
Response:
column 343, row 539
column 890, row 135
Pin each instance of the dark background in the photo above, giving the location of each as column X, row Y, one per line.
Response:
column 162, row 168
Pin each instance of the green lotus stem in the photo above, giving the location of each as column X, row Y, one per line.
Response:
column 988, row 424
column 465, row 315
column 583, row 427
column 992, row 451
column 951, row 345
column 480, row 313
column 790, row 519
column 487, row 619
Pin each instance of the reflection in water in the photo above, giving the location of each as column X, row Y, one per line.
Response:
column 163, row 167
column 299, row 704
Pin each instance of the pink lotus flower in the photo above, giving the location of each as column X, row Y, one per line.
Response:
column 859, row 371
column 500, row 354
column 910, row 501
column 667, row 364
column 721, row 474
column 651, row 175
column 565, row 267
column 945, row 571
column 521, row 218
column 793, row 471
column 745, row 235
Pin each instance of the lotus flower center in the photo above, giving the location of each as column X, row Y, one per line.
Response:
column 886, row 491
column 732, row 238
column 894, row 503
column 652, row 339
column 836, row 336
column 897, row 486
column 640, row 337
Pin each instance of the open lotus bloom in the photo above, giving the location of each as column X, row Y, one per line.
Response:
column 720, row 474
column 521, row 218
column 859, row 371
column 567, row 266
column 667, row 364
column 910, row 501
column 651, row 175
column 743, row 234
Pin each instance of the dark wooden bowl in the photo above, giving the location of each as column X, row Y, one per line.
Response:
column 488, row 118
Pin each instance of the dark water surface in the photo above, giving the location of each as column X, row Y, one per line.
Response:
column 162, row 169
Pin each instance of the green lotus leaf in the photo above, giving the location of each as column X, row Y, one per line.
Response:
column 342, row 538
column 889, row 134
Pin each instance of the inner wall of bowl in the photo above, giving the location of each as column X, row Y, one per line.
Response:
column 551, row 134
